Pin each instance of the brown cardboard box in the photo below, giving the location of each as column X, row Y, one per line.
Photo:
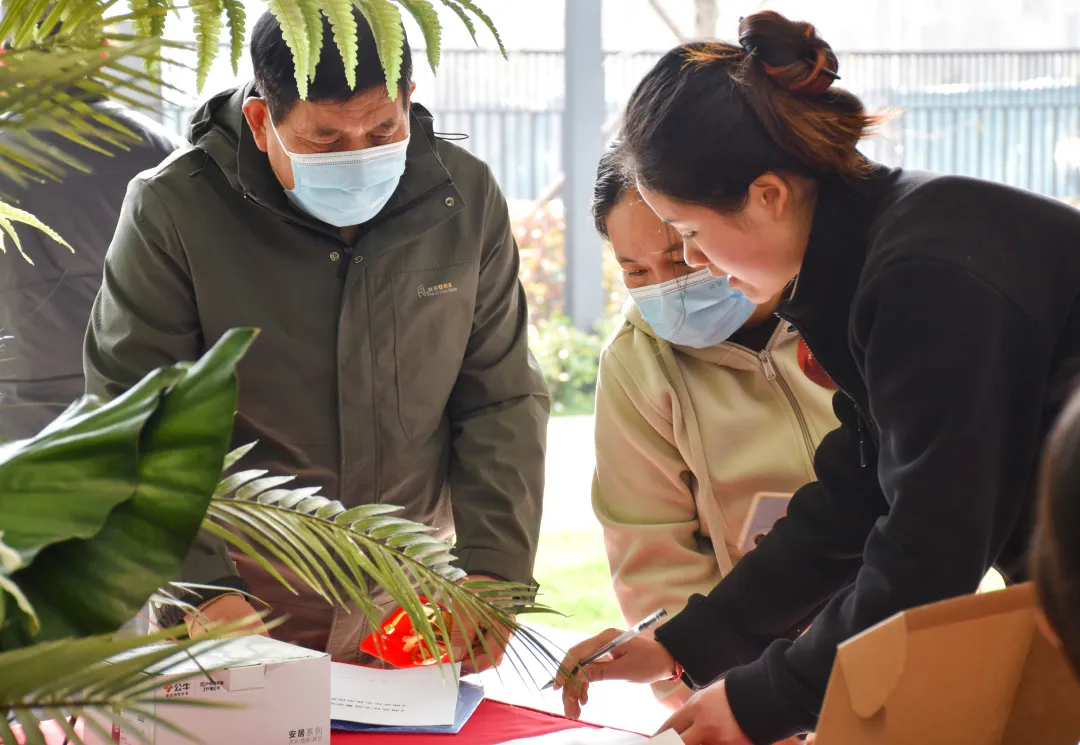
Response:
column 970, row 671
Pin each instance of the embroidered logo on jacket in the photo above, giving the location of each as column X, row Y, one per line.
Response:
column 435, row 290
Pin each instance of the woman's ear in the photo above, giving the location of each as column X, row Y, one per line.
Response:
column 771, row 194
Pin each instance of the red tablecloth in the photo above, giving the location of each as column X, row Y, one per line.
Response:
column 494, row 722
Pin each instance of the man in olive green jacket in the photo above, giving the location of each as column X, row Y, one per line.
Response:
column 393, row 363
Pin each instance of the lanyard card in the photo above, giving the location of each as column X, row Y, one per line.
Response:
column 765, row 510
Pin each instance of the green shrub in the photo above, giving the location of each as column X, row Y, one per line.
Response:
column 569, row 359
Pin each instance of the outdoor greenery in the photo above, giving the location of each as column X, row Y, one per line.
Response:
column 572, row 571
column 64, row 52
column 98, row 511
column 567, row 355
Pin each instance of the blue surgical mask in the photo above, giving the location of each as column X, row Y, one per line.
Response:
column 347, row 188
column 698, row 310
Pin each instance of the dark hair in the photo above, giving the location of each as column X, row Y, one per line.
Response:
column 1055, row 554
column 710, row 118
column 275, row 79
column 611, row 184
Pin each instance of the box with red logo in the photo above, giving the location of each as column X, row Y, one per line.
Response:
column 260, row 690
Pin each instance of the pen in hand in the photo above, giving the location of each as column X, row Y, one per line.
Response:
column 638, row 628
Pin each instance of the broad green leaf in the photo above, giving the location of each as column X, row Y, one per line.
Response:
column 428, row 19
column 384, row 18
column 293, row 25
column 95, row 585
column 343, row 26
column 63, row 483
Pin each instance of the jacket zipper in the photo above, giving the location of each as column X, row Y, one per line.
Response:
column 772, row 375
column 858, row 410
column 343, row 267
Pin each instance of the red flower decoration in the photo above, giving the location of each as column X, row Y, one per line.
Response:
column 812, row 368
column 400, row 645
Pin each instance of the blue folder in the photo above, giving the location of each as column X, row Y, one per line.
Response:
column 469, row 698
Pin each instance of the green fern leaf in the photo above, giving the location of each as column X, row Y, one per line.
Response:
column 313, row 21
column 157, row 22
column 460, row 12
column 428, row 19
column 234, row 13
column 141, row 19
column 475, row 10
column 343, row 24
column 9, row 214
column 290, row 18
column 385, row 20
column 208, row 26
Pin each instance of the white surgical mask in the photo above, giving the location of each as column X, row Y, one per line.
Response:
column 698, row 310
column 345, row 188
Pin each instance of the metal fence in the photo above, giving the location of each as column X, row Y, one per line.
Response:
column 1009, row 116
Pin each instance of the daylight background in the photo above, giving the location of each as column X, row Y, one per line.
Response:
column 988, row 89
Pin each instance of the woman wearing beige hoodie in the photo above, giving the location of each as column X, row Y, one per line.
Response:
column 711, row 405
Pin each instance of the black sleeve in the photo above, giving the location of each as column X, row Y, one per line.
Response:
column 956, row 375
column 802, row 562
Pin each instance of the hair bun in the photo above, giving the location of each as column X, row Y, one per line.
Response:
column 790, row 52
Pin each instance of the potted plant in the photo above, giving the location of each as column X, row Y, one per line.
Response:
column 97, row 511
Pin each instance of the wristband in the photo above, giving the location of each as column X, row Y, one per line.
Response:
column 677, row 672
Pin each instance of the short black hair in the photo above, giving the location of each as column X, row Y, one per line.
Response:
column 275, row 78
column 611, row 184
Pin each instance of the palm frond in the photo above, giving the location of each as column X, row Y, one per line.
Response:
column 93, row 677
column 384, row 18
column 10, row 215
column 343, row 553
column 46, row 89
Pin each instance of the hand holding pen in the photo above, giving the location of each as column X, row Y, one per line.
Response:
column 634, row 657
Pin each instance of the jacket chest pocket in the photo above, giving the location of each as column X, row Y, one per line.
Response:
column 433, row 315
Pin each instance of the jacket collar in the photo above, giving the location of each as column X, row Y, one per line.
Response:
column 832, row 267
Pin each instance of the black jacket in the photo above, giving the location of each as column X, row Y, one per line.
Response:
column 948, row 312
column 44, row 306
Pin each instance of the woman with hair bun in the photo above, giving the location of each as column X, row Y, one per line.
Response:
column 946, row 309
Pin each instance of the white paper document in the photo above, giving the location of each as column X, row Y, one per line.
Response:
column 415, row 697
column 593, row 736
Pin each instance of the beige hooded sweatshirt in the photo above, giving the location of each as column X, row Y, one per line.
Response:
column 685, row 438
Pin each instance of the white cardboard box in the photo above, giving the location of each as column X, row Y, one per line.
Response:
column 283, row 692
